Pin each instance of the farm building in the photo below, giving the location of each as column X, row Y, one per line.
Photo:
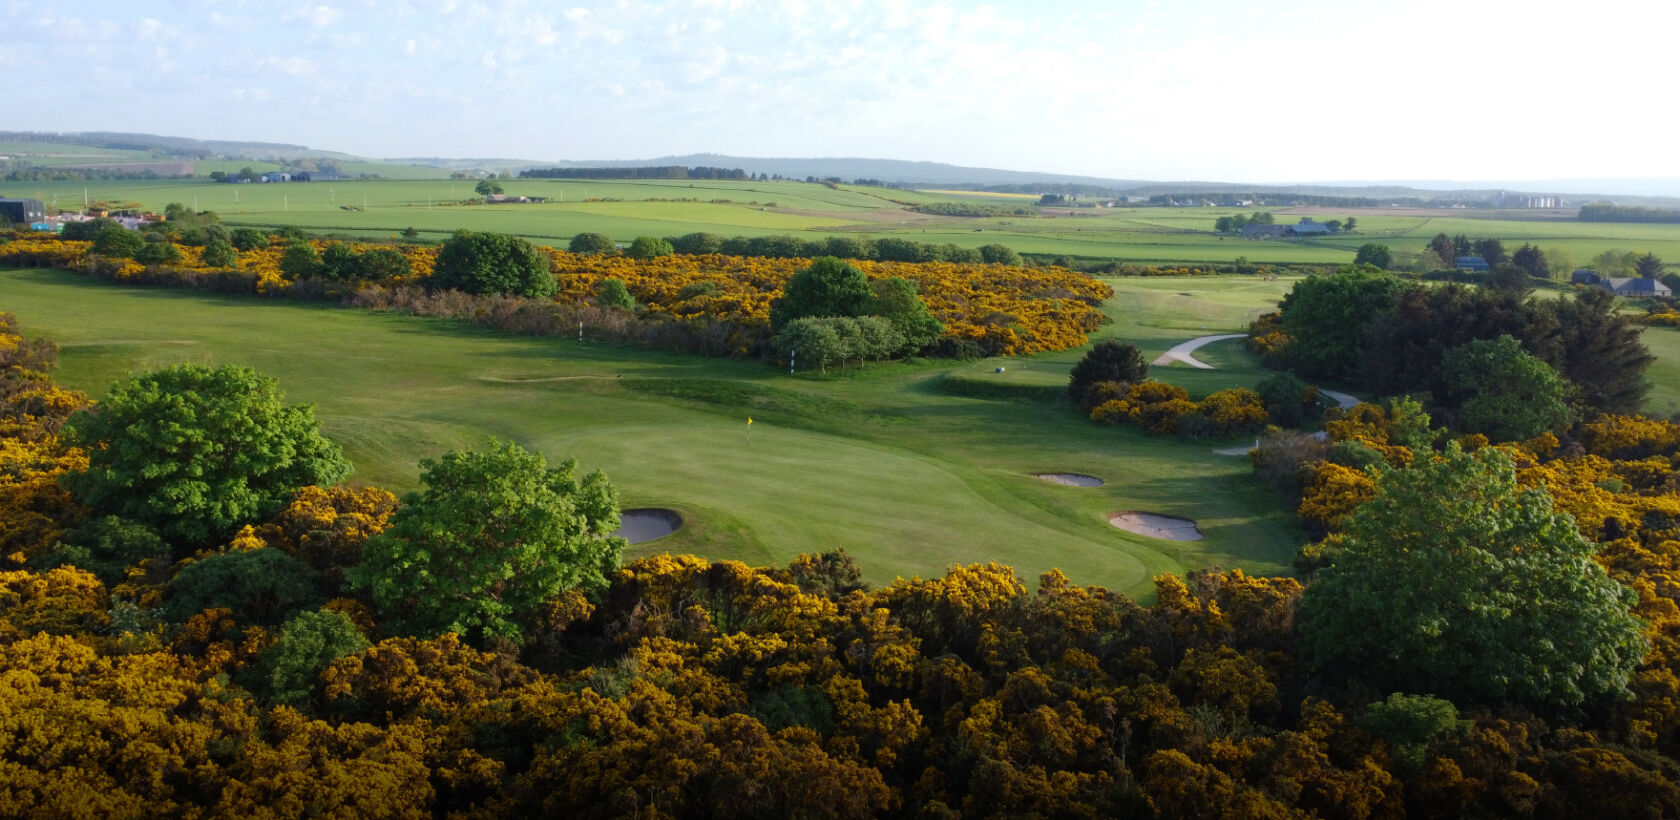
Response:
column 1633, row 287
column 1636, row 287
column 1472, row 263
column 1310, row 227
column 23, row 211
column 1256, row 231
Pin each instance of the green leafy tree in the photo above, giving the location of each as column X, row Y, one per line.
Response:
column 1503, row 392
column 300, row 260
column 828, row 287
column 247, row 239
column 896, row 300
column 995, row 254
column 614, row 293
column 873, row 337
column 848, row 247
column 380, row 264
column 1560, row 262
column 811, row 341
column 1350, row 224
column 307, row 644
column 1374, row 254
column 1285, row 397
column 338, row 261
column 492, row 263
column 1532, row 261
column 1492, row 251
column 893, row 249
column 158, row 252
column 490, row 536
column 105, row 546
column 194, row 452
column 1462, row 246
column 85, row 230
column 220, row 254
column 1412, row 724
column 117, row 242
column 260, row 586
column 1224, row 224
column 693, row 243
column 486, row 187
column 1107, row 361
column 951, row 252
column 1648, row 266
column 1453, row 581
column 593, row 243
column 1328, row 318
column 648, row 247
column 1444, row 250
column 1616, row 263
column 1510, row 278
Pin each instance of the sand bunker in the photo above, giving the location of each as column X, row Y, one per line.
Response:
column 648, row 523
column 1157, row 526
column 1070, row 479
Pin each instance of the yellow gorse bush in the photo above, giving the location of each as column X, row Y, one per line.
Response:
column 1008, row 310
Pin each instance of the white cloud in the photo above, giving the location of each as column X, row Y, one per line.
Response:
column 290, row 66
column 315, row 16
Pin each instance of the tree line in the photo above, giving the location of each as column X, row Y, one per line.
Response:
column 638, row 172
column 885, row 249
column 972, row 209
column 1607, row 212
column 1488, row 359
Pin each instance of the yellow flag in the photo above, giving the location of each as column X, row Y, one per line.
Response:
column 749, row 419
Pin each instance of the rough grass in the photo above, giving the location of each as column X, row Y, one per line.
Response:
column 907, row 478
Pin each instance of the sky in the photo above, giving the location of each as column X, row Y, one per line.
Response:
column 1212, row 90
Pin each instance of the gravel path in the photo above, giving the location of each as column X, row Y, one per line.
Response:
column 1343, row 400
column 1181, row 352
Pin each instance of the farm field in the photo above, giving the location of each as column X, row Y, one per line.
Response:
column 625, row 209
column 903, row 475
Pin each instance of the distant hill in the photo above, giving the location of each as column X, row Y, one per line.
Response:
column 478, row 163
column 1652, row 192
column 181, row 146
column 937, row 174
column 896, row 171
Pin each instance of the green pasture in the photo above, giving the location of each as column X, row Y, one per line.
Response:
column 886, row 463
column 625, row 209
